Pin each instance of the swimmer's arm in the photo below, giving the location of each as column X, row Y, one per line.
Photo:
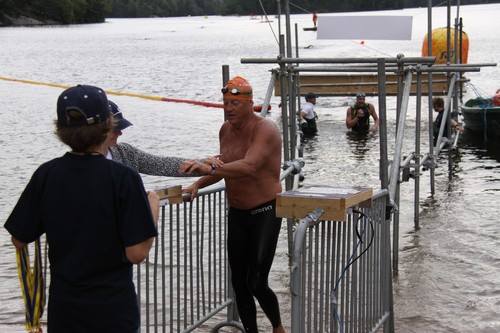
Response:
column 374, row 115
column 200, row 183
column 207, row 181
column 371, row 108
column 350, row 122
column 267, row 142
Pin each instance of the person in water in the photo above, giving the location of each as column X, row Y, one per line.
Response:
column 358, row 116
column 495, row 100
column 97, row 217
column 144, row 162
column 250, row 148
column 308, row 115
column 438, row 106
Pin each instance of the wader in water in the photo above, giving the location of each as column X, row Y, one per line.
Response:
column 309, row 127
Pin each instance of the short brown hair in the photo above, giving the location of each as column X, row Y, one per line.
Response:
column 438, row 102
column 82, row 138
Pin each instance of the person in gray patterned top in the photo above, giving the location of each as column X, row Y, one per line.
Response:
column 146, row 163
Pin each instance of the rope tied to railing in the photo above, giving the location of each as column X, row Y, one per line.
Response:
column 292, row 167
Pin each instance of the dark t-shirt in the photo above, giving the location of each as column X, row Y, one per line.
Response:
column 90, row 208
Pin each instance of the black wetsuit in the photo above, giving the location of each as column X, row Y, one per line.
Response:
column 437, row 125
column 252, row 238
column 363, row 124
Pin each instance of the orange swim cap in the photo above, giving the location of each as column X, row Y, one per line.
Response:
column 238, row 88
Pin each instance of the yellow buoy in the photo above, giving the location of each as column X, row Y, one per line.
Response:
column 439, row 46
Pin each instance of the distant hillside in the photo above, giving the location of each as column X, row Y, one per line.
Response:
column 33, row 12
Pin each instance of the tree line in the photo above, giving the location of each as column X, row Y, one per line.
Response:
column 90, row 11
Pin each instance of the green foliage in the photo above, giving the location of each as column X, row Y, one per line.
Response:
column 89, row 11
column 63, row 11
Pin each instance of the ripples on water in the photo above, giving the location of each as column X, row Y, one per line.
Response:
column 449, row 270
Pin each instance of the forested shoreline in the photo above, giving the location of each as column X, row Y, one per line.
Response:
column 35, row 12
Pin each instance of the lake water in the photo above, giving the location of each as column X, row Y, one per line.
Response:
column 449, row 277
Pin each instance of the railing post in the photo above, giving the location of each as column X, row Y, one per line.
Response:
column 416, row 210
column 396, row 161
column 225, row 78
column 269, row 92
column 429, row 87
column 384, row 177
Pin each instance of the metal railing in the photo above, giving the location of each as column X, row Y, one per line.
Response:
column 185, row 280
column 341, row 274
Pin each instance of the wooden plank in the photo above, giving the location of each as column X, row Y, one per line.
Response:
column 351, row 84
column 335, row 201
column 173, row 194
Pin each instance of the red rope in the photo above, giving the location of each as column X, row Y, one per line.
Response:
column 256, row 108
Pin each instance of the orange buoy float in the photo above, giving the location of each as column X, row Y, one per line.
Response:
column 439, row 48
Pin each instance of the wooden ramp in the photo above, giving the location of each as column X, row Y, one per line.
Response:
column 350, row 84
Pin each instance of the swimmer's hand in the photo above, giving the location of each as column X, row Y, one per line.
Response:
column 214, row 161
column 192, row 190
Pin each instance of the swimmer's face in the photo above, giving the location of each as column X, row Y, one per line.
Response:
column 360, row 100
column 235, row 110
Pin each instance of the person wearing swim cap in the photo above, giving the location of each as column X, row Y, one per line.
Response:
column 358, row 115
column 250, row 147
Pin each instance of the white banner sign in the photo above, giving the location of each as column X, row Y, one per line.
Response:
column 365, row 27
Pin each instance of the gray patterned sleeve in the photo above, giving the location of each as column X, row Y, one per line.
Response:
column 147, row 163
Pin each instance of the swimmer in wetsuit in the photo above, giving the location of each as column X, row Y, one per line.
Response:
column 358, row 116
column 250, row 148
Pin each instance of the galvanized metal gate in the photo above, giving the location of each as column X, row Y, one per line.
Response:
column 341, row 274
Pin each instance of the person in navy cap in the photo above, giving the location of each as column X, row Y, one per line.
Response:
column 150, row 164
column 97, row 218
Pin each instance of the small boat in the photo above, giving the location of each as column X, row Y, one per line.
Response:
column 480, row 115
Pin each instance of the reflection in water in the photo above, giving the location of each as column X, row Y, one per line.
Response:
column 480, row 146
column 309, row 143
column 359, row 143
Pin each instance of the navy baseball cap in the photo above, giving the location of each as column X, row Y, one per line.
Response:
column 82, row 105
column 121, row 123
column 310, row 95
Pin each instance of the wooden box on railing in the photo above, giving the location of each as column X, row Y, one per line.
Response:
column 335, row 201
column 173, row 194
